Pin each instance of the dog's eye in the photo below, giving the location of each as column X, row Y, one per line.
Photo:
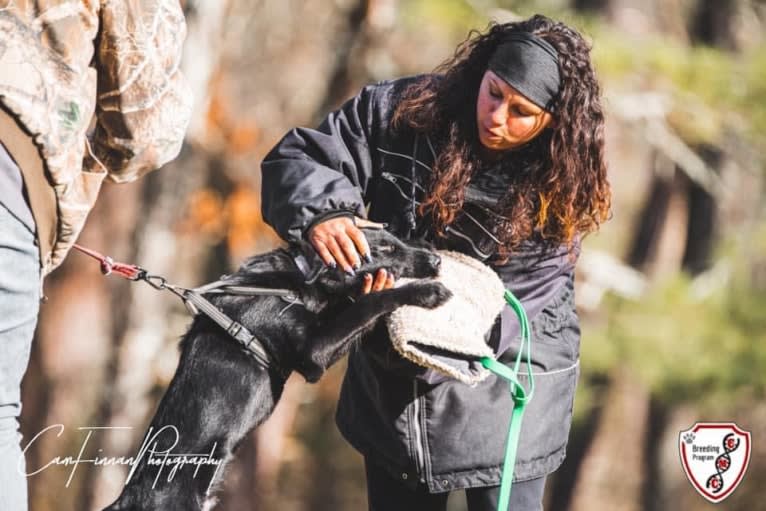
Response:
column 386, row 249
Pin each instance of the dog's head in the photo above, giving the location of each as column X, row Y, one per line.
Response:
column 410, row 259
column 405, row 259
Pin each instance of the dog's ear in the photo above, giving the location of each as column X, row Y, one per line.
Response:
column 307, row 260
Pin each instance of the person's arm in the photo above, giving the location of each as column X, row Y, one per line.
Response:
column 143, row 105
column 314, row 181
column 317, row 174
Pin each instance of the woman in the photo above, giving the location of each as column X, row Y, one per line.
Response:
column 498, row 154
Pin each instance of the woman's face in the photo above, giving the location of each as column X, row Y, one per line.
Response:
column 506, row 119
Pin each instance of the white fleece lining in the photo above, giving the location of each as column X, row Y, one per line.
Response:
column 447, row 337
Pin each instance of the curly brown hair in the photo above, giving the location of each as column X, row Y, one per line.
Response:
column 559, row 189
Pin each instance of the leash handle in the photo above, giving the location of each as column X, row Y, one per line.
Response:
column 519, row 394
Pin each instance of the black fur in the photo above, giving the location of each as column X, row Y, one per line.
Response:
column 219, row 393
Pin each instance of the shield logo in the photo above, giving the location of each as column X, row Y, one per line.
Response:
column 715, row 456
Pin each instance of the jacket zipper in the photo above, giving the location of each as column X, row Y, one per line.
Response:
column 394, row 180
column 419, row 461
column 468, row 239
column 480, row 226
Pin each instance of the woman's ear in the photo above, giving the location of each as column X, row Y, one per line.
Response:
column 550, row 120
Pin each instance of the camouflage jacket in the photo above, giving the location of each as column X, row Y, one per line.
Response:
column 96, row 83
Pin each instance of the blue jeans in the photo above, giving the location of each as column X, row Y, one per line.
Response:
column 19, row 305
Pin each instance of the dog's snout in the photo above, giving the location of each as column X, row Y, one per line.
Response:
column 434, row 261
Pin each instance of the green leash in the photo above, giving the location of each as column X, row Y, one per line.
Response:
column 520, row 397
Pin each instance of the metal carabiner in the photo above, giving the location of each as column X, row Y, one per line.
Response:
column 156, row 281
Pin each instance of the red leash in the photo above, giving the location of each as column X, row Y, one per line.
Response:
column 108, row 265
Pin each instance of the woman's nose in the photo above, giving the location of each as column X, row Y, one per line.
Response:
column 498, row 114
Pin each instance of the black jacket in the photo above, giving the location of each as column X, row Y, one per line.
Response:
column 410, row 421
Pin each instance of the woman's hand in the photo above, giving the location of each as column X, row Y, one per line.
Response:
column 382, row 280
column 339, row 242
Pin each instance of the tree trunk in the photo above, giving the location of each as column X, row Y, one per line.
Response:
column 712, row 23
column 660, row 238
column 611, row 475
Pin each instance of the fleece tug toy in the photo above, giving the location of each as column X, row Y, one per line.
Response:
column 451, row 338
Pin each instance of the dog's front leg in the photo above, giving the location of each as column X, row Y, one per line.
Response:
column 334, row 339
column 216, row 396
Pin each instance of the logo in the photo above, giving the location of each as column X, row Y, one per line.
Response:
column 715, row 456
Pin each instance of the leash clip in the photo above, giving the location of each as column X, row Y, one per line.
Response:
column 156, row 281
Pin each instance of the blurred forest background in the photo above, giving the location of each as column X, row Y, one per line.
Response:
column 672, row 291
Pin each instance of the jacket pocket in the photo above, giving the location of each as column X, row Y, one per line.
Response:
column 467, row 429
column 546, row 423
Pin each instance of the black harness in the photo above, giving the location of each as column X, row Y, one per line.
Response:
column 197, row 304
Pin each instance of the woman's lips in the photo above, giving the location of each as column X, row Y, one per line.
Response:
column 489, row 133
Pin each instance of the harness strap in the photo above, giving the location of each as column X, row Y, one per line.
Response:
column 221, row 287
column 233, row 328
column 248, row 291
column 196, row 303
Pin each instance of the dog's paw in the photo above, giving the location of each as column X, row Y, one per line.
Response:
column 429, row 294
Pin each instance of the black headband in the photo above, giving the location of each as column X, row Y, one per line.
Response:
column 530, row 65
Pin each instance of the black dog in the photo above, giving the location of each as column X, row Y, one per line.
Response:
column 219, row 393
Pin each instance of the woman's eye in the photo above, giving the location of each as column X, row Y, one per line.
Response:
column 495, row 93
column 521, row 111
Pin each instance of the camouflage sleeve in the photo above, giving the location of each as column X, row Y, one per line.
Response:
column 144, row 104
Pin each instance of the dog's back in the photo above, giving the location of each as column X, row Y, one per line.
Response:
column 219, row 393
